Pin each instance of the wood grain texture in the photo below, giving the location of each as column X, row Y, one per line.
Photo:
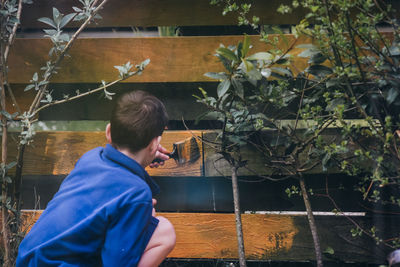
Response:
column 57, row 152
column 126, row 13
column 214, row 194
column 266, row 237
column 173, row 59
column 177, row 98
column 215, row 165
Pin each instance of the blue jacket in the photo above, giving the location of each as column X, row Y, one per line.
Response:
column 101, row 215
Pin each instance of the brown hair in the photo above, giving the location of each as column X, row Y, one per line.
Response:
column 136, row 119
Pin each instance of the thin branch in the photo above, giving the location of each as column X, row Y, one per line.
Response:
column 81, row 95
column 353, row 46
column 348, row 217
column 267, row 177
column 40, row 94
column 14, row 32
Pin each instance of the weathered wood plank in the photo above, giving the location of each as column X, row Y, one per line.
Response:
column 177, row 98
column 215, row 165
column 124, row 13
column 173, row 59
column 266, row 237
column 214, row 194
column 57, row 152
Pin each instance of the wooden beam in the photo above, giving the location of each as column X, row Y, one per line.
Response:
column 173, row 59
column 56, row 153
column 266, row 237
column 123, row 13
column 215, row 165
column 177, row 98
column 214, row 194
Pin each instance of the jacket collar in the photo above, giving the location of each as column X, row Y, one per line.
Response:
column 113, row 154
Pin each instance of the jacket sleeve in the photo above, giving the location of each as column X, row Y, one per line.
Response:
column 128, row 233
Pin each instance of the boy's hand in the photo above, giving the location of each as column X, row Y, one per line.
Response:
column 153, row 213
column 160, row 154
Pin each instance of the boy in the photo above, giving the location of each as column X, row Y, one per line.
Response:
column 103, row 213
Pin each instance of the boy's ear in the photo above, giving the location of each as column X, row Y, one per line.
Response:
column 108, row 133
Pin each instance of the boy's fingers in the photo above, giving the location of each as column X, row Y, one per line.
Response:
column 161, row 155
column 154, row 201
column 162, row 149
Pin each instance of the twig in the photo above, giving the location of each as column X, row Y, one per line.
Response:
column 13, row 33
column 81, row 95
column 40, row 94
column 267, row 177
column 346, row 216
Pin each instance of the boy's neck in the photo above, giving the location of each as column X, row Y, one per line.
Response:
column 138, row 156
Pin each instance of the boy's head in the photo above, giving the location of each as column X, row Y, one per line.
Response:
column 137, row 118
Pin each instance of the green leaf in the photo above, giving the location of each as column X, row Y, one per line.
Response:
column 329, row 250
column 66, row 19
column 238, row 51
column 334, row 103
column 266, row 72
column 238, row 86
column 65, row 37
column 223, row 88
column 253, row 76
column 247, row 65
column 48, row 21
column 394, row 50
column 77, row 9
column 246, row 45
column 261, row 56
column 317, row 58
column 203, row 92
column 227, row 53
column 332, row 82
column 50, row 32
column 216, row 76
column 287, row 72
column 308, row 53
column 392, row 95
column 325, row 160
column 11, row 165
column 29, row 87
column 145, row 62
column 319, row 70
column 6, row 114
column 309, row 46
column 56, row 14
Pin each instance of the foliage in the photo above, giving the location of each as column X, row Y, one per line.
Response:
column 352, row 74
column 361, row 80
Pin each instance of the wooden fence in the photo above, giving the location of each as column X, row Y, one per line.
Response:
column 197, row 198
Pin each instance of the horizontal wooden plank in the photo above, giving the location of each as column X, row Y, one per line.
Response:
column 173, row 59
column 214, row 194
column 266, row 237
column 122, row 13
column 256, row 162
column 177, row 98
column 57, row 152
